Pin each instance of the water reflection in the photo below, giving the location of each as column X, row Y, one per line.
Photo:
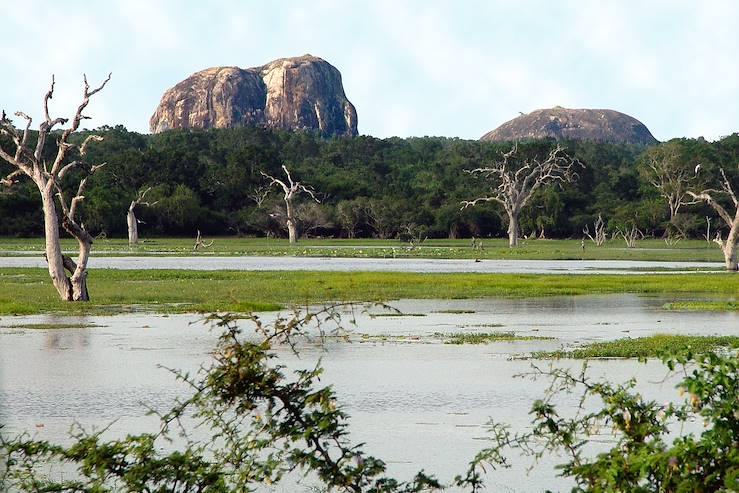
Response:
column 59, row 339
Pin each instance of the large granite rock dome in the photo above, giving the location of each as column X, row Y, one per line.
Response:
column 290, row 93
column 576, row 124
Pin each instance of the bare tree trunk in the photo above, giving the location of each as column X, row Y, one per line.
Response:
column 133, row 223
column 730, row 257
column 133, row 226
column 292, row 229
column 79, row 276
column 54, row 257
column 512, row 230
column 729, row 247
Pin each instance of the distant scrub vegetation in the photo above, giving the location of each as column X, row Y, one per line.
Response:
column 210, row 180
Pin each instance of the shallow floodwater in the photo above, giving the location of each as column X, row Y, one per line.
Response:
column 415, row 402
column 334, row 264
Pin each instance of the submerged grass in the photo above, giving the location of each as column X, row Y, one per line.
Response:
column 487, row 337
column 398, row 314
column 28, row 290
column 455, row 312
column 447, row 338
column 51, row 326
column 643, row 347
column 703, row 306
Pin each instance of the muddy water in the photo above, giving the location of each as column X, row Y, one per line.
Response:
column 416, row 403
column 331, row 264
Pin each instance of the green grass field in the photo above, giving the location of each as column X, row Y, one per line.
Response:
column 27, row 291
column 689, row 250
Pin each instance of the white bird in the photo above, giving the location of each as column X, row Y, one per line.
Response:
column 697, row 168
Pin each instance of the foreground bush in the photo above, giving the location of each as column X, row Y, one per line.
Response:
column 641, row 458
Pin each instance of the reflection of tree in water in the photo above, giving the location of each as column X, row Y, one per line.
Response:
column 66, row 339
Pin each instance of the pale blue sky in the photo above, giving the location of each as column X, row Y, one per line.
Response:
column 412, row 68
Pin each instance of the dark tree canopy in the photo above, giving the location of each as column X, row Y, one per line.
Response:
column 206, row 179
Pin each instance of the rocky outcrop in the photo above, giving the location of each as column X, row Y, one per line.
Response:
column 290, row 94
column 575, row 124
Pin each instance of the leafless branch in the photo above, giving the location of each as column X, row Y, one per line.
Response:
column 600, row 231
column 290, row 188
column 64, row 145
column 139, row 200
column 729, row 245
column 668, row 172
column 21, row 146
column 630, row 235
column 199, row 243
column 10, row 180
column 707, row 197
column 259, row 195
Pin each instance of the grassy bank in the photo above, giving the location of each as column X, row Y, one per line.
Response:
column 644, row 347
column 689, row 250
column 27, row 291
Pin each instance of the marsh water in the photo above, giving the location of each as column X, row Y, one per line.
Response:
column 334, row 264
column 416, row 402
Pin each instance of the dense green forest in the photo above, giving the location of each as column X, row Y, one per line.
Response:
column 368, row 187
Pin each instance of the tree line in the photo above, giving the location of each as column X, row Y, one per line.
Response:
column 213, row 181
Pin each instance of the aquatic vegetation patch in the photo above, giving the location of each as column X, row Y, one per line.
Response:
column 397, row 314
column 52, row 326
column 236, row 307
column 455, row 312
column 480, row 326
column 487, row 337
column 644, row 347
column 703, row 306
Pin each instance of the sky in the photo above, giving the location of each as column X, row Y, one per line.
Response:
column 412, row 68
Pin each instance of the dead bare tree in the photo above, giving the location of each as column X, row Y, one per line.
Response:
column 672, row 240
column 200, row 243
column 516, row 177
column 630, row 235
column 259, row 195
column 132, row 220
column 291, row 189
column 49, row 179
column 709, row 196
column 414, row 235
column 599, row 237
